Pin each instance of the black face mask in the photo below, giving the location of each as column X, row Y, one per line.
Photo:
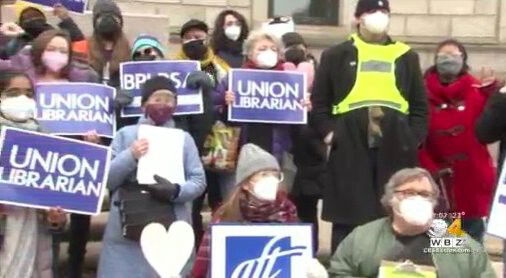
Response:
column 108, row 28
column 295, row 55
column 195, row 50
column 35, row 27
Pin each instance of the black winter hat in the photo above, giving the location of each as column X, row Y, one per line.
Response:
column 365, row 6
column 292, row 38
column 106, row 7
column 157, row 83
column 194, row 24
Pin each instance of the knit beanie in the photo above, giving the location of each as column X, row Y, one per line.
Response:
column 147, row 40
column 106, row 7
column 365, row 6
column 292, row 38
column 157, row 83
column 253, row 159
column 194, row 24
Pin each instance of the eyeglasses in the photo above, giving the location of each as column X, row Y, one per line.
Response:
column 412, row 193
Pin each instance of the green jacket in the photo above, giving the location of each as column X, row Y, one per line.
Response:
column 360, row 255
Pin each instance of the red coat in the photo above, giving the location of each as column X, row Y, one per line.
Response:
column 452, row 143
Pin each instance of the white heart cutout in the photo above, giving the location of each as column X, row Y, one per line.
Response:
column 167, row 251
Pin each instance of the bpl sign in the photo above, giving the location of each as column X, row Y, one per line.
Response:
column 135, row 74
column 77, row 6
column 258, row 251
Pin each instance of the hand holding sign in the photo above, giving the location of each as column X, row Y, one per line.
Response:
column 56, row 217
column 60, row 11
column 92, row 137
column 139, row 148
column 11, row 29
column 167, row 252
column 229, row 97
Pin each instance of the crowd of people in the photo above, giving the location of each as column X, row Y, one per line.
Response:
column 386, row 145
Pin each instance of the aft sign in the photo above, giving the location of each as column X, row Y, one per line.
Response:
column 44, row 171
column 135, row 74
column 257, row 251
column 267, row 96
column 76, row 108
column 77, row 6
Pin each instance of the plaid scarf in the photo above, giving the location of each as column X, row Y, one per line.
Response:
column 280, row 211
column 258, row 211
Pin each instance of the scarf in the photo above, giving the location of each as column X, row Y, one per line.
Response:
column 19, row 251
column 251, row 65
column 452, row 93
column 210, row 58
column 282, row 210
column 255, row 210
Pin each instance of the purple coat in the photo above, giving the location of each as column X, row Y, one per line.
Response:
column 274, row 138
column 23, row 62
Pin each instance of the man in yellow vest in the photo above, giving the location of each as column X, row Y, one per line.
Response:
column 370, row 107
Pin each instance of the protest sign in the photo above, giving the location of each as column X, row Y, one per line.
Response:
column 267, row 96
column 76, row 108
column 77, row 6
column 43, row 171
column 270, row 250
column 135, row 74
column 496, row 224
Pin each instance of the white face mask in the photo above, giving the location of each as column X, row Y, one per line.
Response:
column 416, row 210
column 20, row 108
column 233, row 32
column 267, row 59
column 377, row 22
column 266, row 189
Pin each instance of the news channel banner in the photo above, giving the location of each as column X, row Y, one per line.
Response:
column 446, row 235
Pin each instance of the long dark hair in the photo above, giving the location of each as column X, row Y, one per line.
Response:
column 6, row 77
column 39, row 46
column 462, row 49
column 218, row 39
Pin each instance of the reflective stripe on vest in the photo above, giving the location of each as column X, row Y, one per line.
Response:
column 375, row 84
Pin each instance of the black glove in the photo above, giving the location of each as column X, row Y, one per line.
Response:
column 123, row 98
column 163, row 190
column 200, row 79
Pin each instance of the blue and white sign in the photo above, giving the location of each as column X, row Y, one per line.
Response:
column 76, row 108
column 496, row 224
column 267, row 96
column 135, row 74
column 258, row 251
column 77, row 6
column 44, row 171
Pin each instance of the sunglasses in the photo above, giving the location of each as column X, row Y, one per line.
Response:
column 145, row 52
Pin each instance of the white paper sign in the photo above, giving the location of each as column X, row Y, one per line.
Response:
column 496, row 223
column 164, row 156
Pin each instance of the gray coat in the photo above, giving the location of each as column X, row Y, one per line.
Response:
column 121, row 257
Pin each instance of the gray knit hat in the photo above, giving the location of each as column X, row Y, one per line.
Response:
column 253, row 159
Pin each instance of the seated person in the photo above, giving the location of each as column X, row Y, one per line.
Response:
column 410, row 197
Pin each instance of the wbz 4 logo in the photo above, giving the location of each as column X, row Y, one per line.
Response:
column 457, row 241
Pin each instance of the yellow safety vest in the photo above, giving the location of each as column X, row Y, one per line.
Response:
column 375, row 84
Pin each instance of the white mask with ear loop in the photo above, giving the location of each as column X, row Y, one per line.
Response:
column 416, row 210
column 267, row 59
column 19, row 108
column 377, row 22
column 233, row 32
column 266, row 188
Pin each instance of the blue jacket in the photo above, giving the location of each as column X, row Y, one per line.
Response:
column 121, row 257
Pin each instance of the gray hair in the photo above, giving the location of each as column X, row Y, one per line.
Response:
column 257, row 36
column 402, row 177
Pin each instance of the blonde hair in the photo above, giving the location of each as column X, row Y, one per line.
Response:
column 257, row 36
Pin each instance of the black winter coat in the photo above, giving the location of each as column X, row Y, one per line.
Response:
column 491, row 126
column 356, row 180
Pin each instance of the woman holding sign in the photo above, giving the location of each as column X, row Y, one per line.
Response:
column 25, row 233
column 135, row 204
column 256, row 199
column 264, row 52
